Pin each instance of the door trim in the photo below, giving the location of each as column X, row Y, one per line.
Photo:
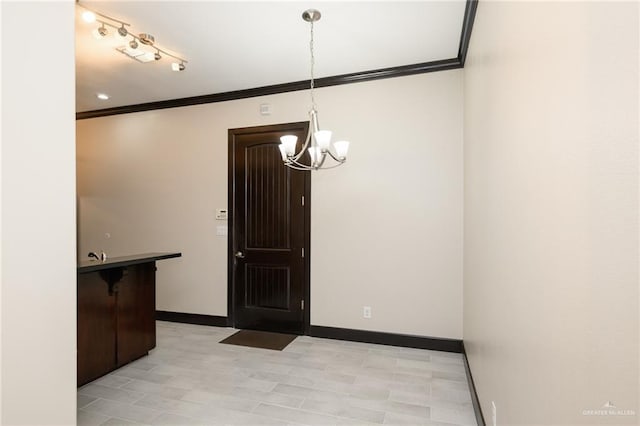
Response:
column 296, row 126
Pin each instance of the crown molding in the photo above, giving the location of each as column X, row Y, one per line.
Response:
column 358, row 77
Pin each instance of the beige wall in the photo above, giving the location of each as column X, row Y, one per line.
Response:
column 551, row 210
column 38, row 215
column 386, row 227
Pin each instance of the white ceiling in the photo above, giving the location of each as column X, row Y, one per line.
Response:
column 235, row 45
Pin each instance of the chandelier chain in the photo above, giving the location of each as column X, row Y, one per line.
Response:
column 313, row 63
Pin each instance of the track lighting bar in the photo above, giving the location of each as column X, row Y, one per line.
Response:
column 120, row 26
column 90, row 19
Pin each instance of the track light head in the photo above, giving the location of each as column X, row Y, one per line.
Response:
column 133, row 44
column 100, row 32
column 122, row 31
column 175, row 66
column 147, row 39
column 157, row 56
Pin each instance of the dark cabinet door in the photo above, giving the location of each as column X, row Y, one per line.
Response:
column 136, row 311
column 96, row 326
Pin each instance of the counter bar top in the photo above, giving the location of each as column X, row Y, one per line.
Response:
column 115, row 262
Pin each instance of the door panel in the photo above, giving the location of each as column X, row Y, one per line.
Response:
column 96, row 327
column 136, row 312
column 269, row 232
column 268, row 194
column 267, row 287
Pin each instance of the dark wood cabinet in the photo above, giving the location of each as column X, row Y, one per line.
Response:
column 96, row 328
column 116, row 313
column 136, row 313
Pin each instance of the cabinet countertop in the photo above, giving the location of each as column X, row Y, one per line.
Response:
column 115, row 262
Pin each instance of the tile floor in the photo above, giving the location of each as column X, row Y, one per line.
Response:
column 191, row 379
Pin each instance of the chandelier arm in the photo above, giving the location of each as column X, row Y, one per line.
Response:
column 334, row 157
column 325, row 167
column 294, row 167
column 332, row 167
column 304, row 147
column 299, row 164
column 324, row 157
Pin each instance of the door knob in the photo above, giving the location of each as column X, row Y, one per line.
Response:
column 240, row 255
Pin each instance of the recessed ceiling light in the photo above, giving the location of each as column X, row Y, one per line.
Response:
column 102, row 96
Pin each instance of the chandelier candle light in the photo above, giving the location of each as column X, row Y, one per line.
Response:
column 318, row 142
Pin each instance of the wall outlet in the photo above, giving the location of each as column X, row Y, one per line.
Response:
column 494, row 414
column 366, row 312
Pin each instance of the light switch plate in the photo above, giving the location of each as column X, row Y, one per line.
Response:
column 221, row 230
column 221, row 214
column 366, row 312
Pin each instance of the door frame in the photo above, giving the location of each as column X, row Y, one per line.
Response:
column 296, row 126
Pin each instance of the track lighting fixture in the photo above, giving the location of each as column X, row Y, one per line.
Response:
column 132, row 48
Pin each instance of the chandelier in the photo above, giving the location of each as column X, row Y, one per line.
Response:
column 318, row 142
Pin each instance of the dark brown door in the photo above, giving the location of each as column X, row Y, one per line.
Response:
column 269, row 232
